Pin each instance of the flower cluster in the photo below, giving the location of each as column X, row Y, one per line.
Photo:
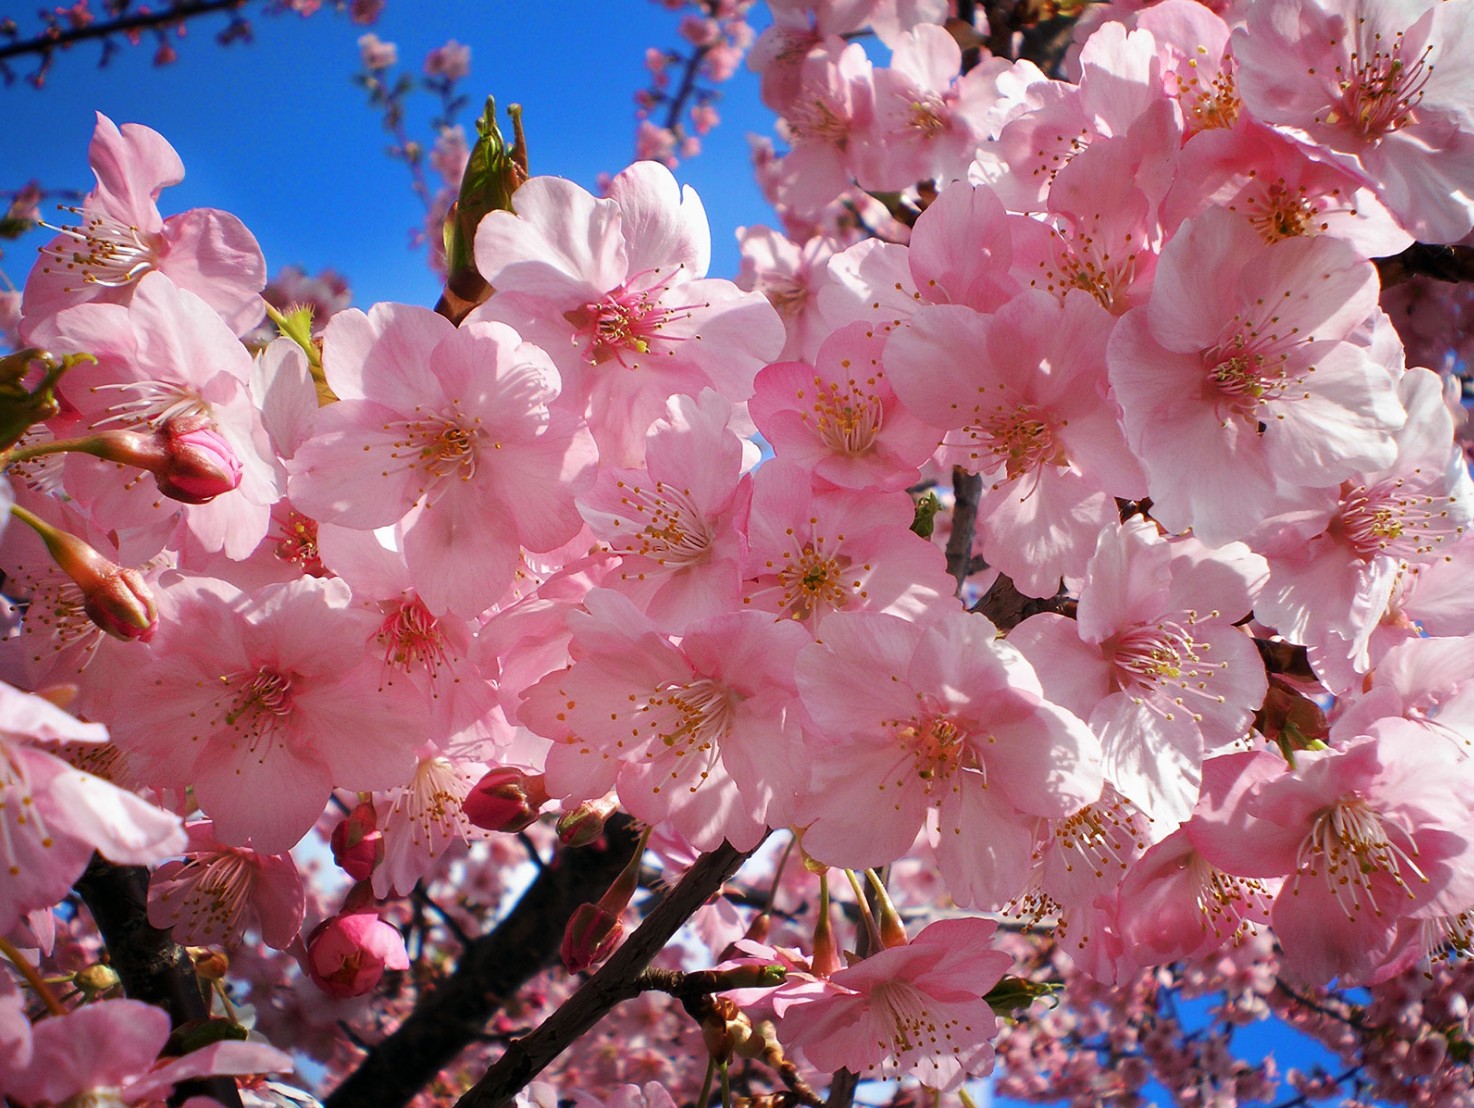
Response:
column 436, row 575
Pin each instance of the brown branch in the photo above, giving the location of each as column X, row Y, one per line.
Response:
column 1451, row 264
column 48, row 42
column 491, row 969
column 967, row 492
column 616, row 980
column 152, row 966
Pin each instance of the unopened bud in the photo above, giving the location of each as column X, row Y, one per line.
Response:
column 114, row 598
column 199, row 464
column 584, row 824
column 211, row 965
column 96, row 978
column 591, row 936
column 506, row 799
column 725, row 1028
column 357, row 842
column 348, row 954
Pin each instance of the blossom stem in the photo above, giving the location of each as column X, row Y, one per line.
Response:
column 33, row 977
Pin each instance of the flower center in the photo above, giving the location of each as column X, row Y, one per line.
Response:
column 296, row 543
column 1164, row 659
column 1019, row 438
column 1211, row 105
column 1396, row 519
column 671, row 529
column 847, row 417
column 1380, row 91
column 1281, row 212
column 412, row 638
column 1349, row 847
column 812, row 582
column 694, row 715
column 262, row 700
column 628, row 320
column 937, row 746
column 104, row 252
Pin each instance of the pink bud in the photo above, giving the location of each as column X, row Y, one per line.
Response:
column 199, row 464
column 122, row 605
column 348, row 954
column 585, row 823
column 593, row 933
column 114, row 598
column 506, row 799
column 357, row 842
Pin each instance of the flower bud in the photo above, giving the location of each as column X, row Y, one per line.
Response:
column 348, row 954
column 357, row 842
column 122, row 605
column 114, row 598
column 198, row 465
column 97, row 978
column 506, row 799
column 591, row 936
column 582, row 825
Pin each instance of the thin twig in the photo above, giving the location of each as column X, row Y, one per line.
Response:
column 615, row 981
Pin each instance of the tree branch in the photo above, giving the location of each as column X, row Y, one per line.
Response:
column 55, row 39
column 492, row 968
column 152, row 966
column 616, row 980
column 967, row 491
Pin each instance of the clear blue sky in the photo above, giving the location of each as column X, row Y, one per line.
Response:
column 275, row 132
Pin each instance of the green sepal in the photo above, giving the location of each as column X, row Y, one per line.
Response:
column 1012, row 993
column 494, row 171
column 197, row 1034
column 925, row 519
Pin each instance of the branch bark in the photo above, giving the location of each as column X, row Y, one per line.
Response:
column 152, row 966
column 615, row 981
column 492, row 968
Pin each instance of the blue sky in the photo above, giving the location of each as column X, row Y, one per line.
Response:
column 276, row 132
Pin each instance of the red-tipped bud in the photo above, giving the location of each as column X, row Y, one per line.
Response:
column 357, row 842
column 582, row 825
column 188, row 456
column 348, row 954
column 592, row 934
column 114, row 598
column 506, row 799
column 199, row 464
column 122, row 605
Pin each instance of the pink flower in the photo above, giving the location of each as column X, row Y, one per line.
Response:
column 1240, row 384
column 616, row 291
column 839, row 418
column 811, row 553
column 915, row 1009
column 452, row 61
column 1334, row 567
column 1154, row 661
column 454, row 424
column 701, row 733
column 1382, row 88
column 216, row 892
column 53, row 817
column 108, row 1052
column 1365, row 836
column 423, row 821
column 120, row 236
column 1024, row 393
column 263, row 703
column 916, row 718
column 675, row 524
column 348, row 954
